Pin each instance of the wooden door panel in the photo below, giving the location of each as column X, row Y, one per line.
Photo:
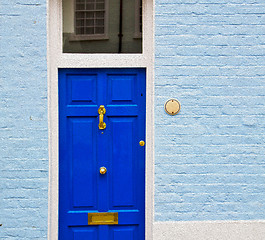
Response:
column 122, row 159
column 83, row 163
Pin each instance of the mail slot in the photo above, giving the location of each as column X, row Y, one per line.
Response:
column 104, row 218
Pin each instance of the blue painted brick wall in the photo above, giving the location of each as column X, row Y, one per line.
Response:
column 209, row 159
column 23, row 120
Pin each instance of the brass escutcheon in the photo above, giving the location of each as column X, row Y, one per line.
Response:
column 102, row 170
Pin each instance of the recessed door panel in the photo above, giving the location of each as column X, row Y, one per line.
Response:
column 83, row 162
column 85, row 233
column 124, row 232
column 122, row 88
column 123, row 161
column 101, row 170
column 82, row 88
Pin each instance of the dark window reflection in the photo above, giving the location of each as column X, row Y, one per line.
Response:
column 102, row 26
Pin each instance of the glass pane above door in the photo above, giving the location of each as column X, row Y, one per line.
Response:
column 102, row 26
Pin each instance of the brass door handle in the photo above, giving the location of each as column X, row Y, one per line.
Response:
column 101, row 112
column 102, row 170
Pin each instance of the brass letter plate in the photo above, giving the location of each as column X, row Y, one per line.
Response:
column 104, row 218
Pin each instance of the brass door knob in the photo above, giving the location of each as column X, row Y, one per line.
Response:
column 102, row 170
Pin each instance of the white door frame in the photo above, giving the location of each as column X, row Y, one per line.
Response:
column 56, row 59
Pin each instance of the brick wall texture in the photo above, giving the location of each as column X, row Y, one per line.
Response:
column 209, row 159
column 23, row 120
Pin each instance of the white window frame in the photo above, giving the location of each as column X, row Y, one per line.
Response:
column 57, row 59
column 84, row 37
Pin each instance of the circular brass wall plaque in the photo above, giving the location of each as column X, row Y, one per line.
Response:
column 172, row 106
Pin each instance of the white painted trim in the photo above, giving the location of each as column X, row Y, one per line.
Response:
column 56, row 59
column 210, row 230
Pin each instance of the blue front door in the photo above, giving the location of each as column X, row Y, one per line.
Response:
column 101, row 165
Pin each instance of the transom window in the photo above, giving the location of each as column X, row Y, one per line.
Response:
column 102, row 26
column 89, row 17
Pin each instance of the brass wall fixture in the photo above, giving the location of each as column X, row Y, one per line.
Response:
column 172, row 107
column 103, row 218
column 101, row 112
column 141, row 143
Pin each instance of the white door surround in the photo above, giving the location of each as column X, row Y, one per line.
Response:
column 56, row 59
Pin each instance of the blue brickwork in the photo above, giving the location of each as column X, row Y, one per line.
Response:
column 210, row 162
column 209, row 159
column 23, row 120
